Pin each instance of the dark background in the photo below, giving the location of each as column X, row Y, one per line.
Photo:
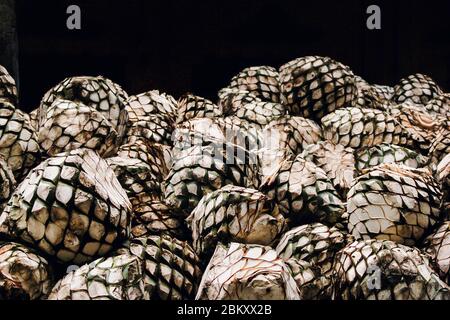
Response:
column 197, row 46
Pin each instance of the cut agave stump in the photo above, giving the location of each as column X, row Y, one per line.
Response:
column 337, row 161
column 18, row 140
column 153, row 268
column 24, row 275
column 437, row 245
column 419, row 126
column 8, row 89
column 247, row 272
column 69, row 125
column 309, row 251
column 98, row 93
column 261, row 81
column 313, row 86
column 385, row 270
column 70, row 207
column 392, row 202
column 234, row 214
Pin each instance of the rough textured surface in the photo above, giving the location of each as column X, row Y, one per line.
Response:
column 309, row 251
column 314, row 86
column 304, row 193
column 385, row 270
column 70, row 207
column 24, row 275
column 18, row 140
column 247, row 272
column 68, row 125
column 99, row 93
column 234, row 214
column 392, row 202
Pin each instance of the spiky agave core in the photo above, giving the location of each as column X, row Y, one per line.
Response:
column 389, row 153
column 416, row 88
column 385, row 270
column 437, row 245
column 418, row 124
column 231, row 100
column 337, row 162
column 151, row 103
column 309, row 252
column 24, row 275
column 152, row 217
column 8, row 89
column 393, row 202
column 136, row 178
column 202, row 169
column 70, row 207
column 99, row 93
column 234, row 214
column 314, row 86
column 248, row 272
column 361, row 127
column 191, row 106
column 304, row 193
column 18, row 140
column 155, row 267
column 7, row 182
column 69, row 125
column 260, row 81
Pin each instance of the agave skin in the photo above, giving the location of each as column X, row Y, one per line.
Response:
column 260, row 81
column 191, row 106
column 246, row 272
column 437, row 246
column 314, row 86
column 393, row 202
column 70, row 207
column 417, row 89
column 69, row 125
column 151, row 268
column 8, row 89
column 24, row 275
column 18, row 140
column 309, row 251
column 234, row 214
column 385, row 270
column 100, row 93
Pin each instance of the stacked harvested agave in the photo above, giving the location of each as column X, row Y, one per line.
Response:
column 305, row 182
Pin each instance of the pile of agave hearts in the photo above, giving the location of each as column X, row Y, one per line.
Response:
column 303, row 182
